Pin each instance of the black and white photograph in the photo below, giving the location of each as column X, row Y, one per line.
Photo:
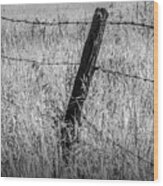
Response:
column 77, row 90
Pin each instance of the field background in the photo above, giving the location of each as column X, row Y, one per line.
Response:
column 117, row 129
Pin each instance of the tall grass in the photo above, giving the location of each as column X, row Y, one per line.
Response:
column 117, row 115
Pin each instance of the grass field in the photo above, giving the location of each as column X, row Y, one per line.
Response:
column 116, row 136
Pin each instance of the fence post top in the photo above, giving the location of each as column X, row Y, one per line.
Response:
column 102, row 13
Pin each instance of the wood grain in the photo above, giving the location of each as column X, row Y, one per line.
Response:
column 155, row 90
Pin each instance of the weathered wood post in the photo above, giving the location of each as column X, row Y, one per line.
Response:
column 82, row 81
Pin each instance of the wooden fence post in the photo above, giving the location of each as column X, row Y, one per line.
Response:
column 82, row 81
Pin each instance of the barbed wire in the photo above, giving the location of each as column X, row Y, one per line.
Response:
column 115, row 73
column 119, row 145
column 45, row 23
column 37, row 62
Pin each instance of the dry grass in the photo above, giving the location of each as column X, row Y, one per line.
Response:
column 118, row 110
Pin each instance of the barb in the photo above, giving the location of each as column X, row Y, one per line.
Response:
column 34, row 61
column 118, row 145
column 37, row 22
column 115, row 73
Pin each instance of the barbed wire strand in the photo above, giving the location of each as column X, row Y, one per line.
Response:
column 115, row 73
column 120, row 146
column 34, row 61
column 45, row 23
